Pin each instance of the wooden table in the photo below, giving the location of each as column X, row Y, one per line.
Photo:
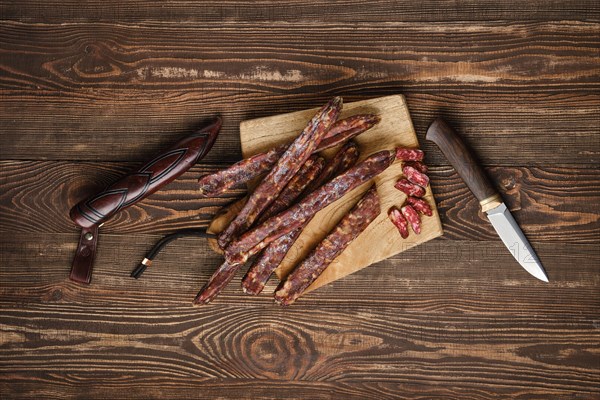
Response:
column 90, row 89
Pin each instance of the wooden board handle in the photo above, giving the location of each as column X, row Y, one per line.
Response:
column 463, row 161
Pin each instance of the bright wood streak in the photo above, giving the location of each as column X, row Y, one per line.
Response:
column 89, row 90
column 380, row 240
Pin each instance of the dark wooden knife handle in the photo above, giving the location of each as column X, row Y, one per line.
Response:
column 138, row 184
column 463, row 161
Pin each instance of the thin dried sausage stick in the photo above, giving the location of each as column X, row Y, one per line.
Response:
column 261, row 270
column 409, row 188
column 409, row 154
column 244, row 171
column 308, row 173
column 241, row 172
column 348, row 128
column 415, row 176
column 349, row 227
column 341, row 161
column 226, row 272
column 287, row 166
column 398, row 219
column 216, row 283
column 420, row 205
column 413, row 218
column 258, row 238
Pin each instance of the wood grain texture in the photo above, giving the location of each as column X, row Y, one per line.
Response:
column 79, row 87
column 90, row 90
column 556, row 204
column 441, row 276
column 544, row 343
column 538, row 356
column 317, row 12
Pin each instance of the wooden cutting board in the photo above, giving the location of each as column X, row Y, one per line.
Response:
column 381, row 239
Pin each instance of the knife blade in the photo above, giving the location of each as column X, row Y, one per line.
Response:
column 457, row 153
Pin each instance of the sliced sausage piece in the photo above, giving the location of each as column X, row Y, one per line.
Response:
column 405, row 154
column 413, row 218
column 419, row 166
column 287, row 166
column 349, row 227
column 415, row 176
column 398, row 219
column 409, row 188
column 420, row 205
column 258, row 238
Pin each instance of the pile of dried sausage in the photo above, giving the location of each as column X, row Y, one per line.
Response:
column 414, row 186
column 297, row 184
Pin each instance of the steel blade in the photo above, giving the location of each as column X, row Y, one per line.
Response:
column 514, row 239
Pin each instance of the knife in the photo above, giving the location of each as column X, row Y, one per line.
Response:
column 91, row 213
column 457, row 153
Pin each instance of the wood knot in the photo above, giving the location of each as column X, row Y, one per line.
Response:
column 261, row 349
column 97, row 61
column 509, row 183
column 56, row 295
column 278, row 352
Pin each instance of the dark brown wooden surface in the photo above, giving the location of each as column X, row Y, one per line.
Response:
column 89, row 90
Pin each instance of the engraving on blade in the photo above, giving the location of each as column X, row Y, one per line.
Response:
column 514, row 239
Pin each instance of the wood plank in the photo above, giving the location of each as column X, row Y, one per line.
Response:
column 317, row 12
column 541, row 132
column 414, row 387
column 66, row 88
column 454, row 318
column 557, row 204
column 144, row 346
column 462, row 278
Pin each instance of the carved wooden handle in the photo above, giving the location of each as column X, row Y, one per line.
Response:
column 137, row 185
column 464, row 163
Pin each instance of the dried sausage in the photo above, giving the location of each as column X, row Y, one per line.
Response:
column 225, row 273
column 349, row 227
column 409, row 188
column 259, row 273
column 399, row 221
column 240, row 172
column 420, row 205
column 348, row 128
column 258, row 238
column 287, row 166
column 341, row 161
column 216, row 283
column 305, row 176
column 244, row 171
column 404, row 154
column 419, row 166
column 412, row 217
column 415, row 176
